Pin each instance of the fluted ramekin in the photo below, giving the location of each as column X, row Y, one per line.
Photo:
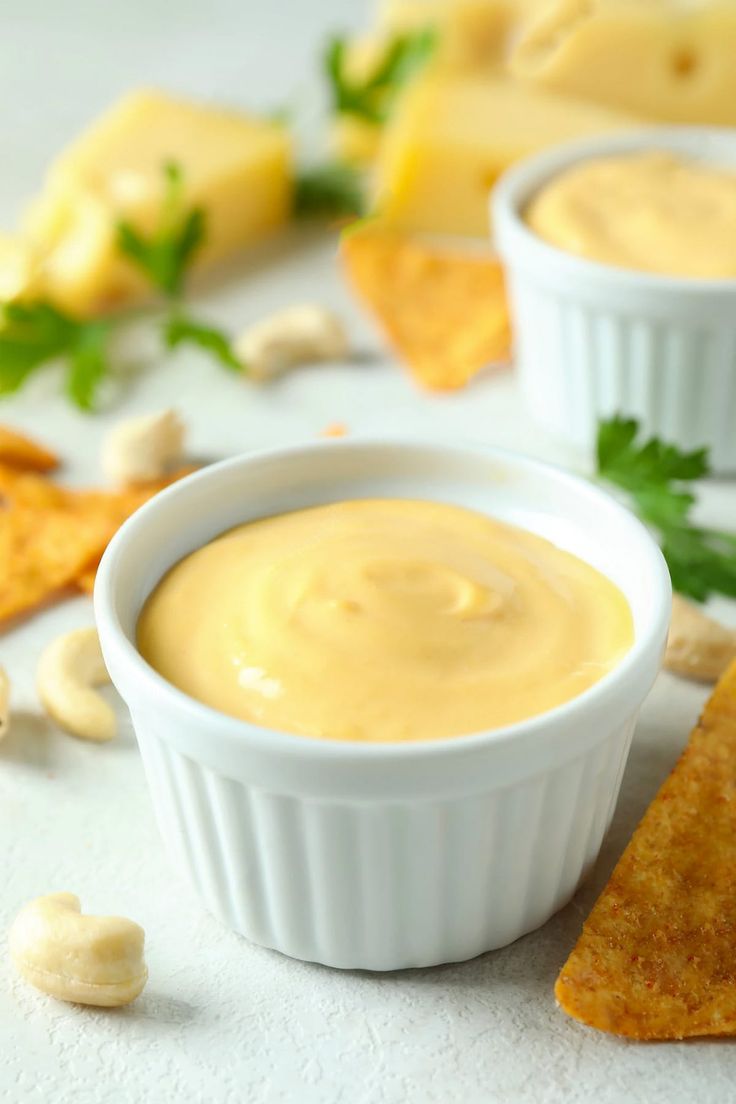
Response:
column 391, row 855
column 593, row 340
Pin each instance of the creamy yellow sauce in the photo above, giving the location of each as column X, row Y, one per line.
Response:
column 383, row 620
column 655, row 212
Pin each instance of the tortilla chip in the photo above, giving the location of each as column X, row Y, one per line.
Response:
column 41, row 553
column 657, row 955
column 444, row 312
column 53, row 537
column 86, row 581
column 29, row 489
column 21, row 452
column 115, row 508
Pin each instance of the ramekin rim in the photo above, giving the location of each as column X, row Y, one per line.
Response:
column 505, row 201
column 235, row 732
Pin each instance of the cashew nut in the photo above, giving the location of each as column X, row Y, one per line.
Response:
column 140, row 450
column 297, row 335
column 4, row 703
column 68, row 670
column 698, row 647
column 86, row 959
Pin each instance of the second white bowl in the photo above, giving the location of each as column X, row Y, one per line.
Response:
column 593, row 340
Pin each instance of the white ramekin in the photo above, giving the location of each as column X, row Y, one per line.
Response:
column 593, row 340
column 383, row 856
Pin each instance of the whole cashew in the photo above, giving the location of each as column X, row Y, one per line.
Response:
column 143, row 449
column 86, row 959
column 68, row 670
column 297, row 335
column 698, row 647
column 4, row 703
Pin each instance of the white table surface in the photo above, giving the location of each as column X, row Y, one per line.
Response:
column 223, row 1021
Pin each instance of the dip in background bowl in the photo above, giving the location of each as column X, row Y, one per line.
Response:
column 593, row 340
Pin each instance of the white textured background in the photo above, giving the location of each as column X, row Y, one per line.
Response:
column 222, row 1021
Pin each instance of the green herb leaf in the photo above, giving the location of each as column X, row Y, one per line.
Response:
column 180, row 329
column 372, row 97
column 164, row 256
column 328, row 190
column 658, row 479
column 656, row 462
column 88, row 364
column 30, row 335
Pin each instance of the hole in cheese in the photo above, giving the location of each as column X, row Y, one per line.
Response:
column 684, row 62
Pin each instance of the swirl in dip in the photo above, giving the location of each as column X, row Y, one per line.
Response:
column 383, row 620
column 655, row 212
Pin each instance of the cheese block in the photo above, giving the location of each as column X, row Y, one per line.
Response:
column 662, row 59
column 354, row 140
column 452, row 138
column 237, row 168
column 472, row 33
column 19, row 275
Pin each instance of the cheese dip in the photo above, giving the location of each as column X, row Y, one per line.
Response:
column 655, row 212
column 383, row 620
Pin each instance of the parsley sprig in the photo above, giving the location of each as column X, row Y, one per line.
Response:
column 36, row 333
column 181, row 329
column 335, row 188
column 164, row 258
column 32, row 334
column 165, row 255
column 371, row 96
column 331, row 189
column 659, row 478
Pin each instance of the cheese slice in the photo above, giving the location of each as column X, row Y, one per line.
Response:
column 472, row 36
column 238, row 169
column 453, row 136
column 665, row 60
column 354, row 140
column 472, row 33
column 19, row 276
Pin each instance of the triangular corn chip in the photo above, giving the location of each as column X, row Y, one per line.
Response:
column 41, row 552
column 444, row 311
column 657, row 955
column 19, row 451
column 53, row 537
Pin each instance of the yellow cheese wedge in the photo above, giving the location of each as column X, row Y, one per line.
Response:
column 664, row 60
column 354, row 140
column 472, row 33
column 237, row 168
column 19, row 276
column 452, row 138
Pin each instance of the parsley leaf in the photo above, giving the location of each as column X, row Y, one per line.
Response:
column 658, row 479
column 164, row 256
column 88, row 363
column 30, row 335
column 371, row 97
column 327, row 190
column 35, row 333
column 181, row 329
